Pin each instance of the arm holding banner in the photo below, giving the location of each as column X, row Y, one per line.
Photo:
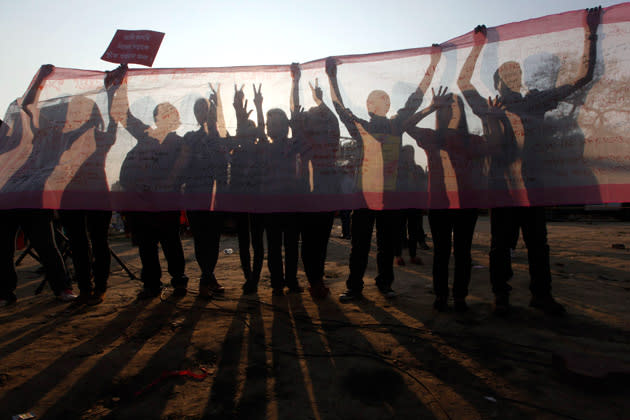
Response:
column 31, row 98
column 297, row 113
column 294, row 100
column 123, row 114
column 549, row 99
column 346, row 116
column 475, row 100
column 415, row 99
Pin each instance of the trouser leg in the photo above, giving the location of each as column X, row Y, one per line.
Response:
column 172, row 248
column 440, row 222
column 316, row 228
column 243, row 232
column 463, row 231
column 534, row 227
column 344, row 215
column 75, row 226
column 98, row 227
column 147, row 238
column 8, row 229
column 37, row 225
column 503, row 223
column 401, row 236
column 206, row 228
column 362, row 226
column 387, row 231
column 291, row 237
column 257, row 227
column 273, row 226
column 414, row 220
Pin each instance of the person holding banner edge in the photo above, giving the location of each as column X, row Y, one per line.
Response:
column 162, row 146
column 389, row 133
column 529, row 110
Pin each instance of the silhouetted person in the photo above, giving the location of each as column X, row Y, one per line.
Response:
column 51, row 138
column 411, row 178
column 204, row 158
column 283, row 175
column 450, row 227
column 320, row 146
column 378, row 136
column 35, row 222
column 526, row 116
column 88, row 230
column 245, row 178
column 161, row 146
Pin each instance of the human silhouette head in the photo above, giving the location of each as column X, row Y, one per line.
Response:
column 378, row 103
column 407, row 155
column 201, row 109
column 508, row 78
column 82, row 110
column 277, row 124
column 166, row 117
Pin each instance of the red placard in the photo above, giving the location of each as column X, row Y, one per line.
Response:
column 138, row 47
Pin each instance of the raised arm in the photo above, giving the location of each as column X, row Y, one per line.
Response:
column 215, row 100
column 415, row 99
column 317, row 93
column 331, row 71
column 295, row 85
column 593, row 17
column 589, row 57
column 32, row 95
column 240, row 108
column 260, row 116
column 439, row 100
column 345, row 115
column 472, row 96
column 122, row 112
column 113, row 80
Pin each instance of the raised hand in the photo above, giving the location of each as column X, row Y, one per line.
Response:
column 495, row 106
column 295, row 71
column 316, row 91
column 115, row 77
column 45, row 70
column 593, row 17
column 436, row 53
column 258, row 98
column 441, row 98
column 239, row 96
column 480, row 34
column 240, row 104
column 331, row 67
column 214, row 93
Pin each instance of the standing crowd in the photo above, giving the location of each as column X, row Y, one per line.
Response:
column 305, row 162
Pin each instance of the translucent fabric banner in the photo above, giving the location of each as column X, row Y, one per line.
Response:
column 528, row 113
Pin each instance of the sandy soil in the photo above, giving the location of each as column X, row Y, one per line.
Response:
column 294, row 358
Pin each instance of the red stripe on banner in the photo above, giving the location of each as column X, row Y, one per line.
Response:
column 537, row 26
column 130, row 201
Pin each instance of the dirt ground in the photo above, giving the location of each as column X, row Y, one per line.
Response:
column 294, row 358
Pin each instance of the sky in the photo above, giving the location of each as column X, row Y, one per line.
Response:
column 210, row 33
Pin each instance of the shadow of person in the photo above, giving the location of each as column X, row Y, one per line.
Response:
column 90, row 179
column 246, row 329
column 150, row 166
column 559, row 155
column 24, row 397
column 380, row 137
column 53, row 134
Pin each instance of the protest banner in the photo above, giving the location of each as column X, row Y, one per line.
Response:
column 138, row 47
column 562, row 137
